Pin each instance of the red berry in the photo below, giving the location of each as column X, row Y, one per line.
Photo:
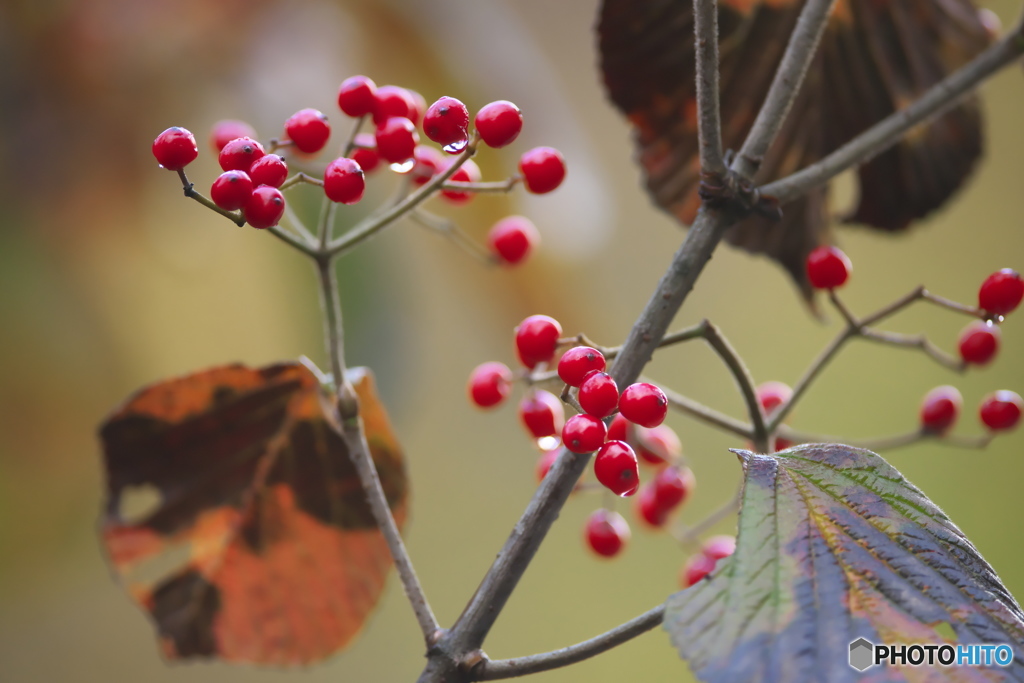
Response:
column 828, row 267
column 429, row 161
column 498, row 123
column 647, row 508
column 656, row 446
column 939, row 410
column 227, row 130
column 175, row 148
column 357, row 96
column 536, row 339
column 643, row 404
column 344, row 181
column 599, row 395
column 469, row 172
column 606, row 532
column 446, row 123
column 1001, row 292
column 419, row 105
column 512, row 238
column 543, row 169
column 583, row 433
column 719, row 547
column 308, row 130
column 578, row 362
column 1001, row 410
column 231, row 190
column 396, row 140
column 542, row 413
column 265, row 207
column 771, row 395
column 619, row 429
column 269, row 169
column 365, row 152
column 545, row 462
column 489, row 384
column 616, row 468
column 695, row 569
column 672, row 486
column 782, row 444
column 394, row 101
column 239, row 154
column 979, row 342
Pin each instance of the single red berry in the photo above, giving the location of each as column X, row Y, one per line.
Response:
column 446, row 122
column 545, row 462
column 647, row 508
column 396, row 140
column 1001, row 410
column 543, row 169
column 606, row 532
column 672, row 486
column 828, row 267
column 644, row 404
column 616, row 468
column 269, row 169
column 357, row 96
column 536, row 339
column 695, row 569
column 344, row 181
column 719, row 547
column 656, row 446
column 782, row 444
column 498, row 123
column 308, row 130
column 227, row 130
column 619, row 429
column 265, row 207
column 512, row 238
column 175, row 148
column 231, row 190
column 240, row 154
column 577, row 363
column 469, row 172
column 939, row 410
column 365, row 152
column 489, row 384
column 542, row 413
column 1001, row 292
column 599, row 395
column 979, row 342
column 771, row 395
column 394, row 101
column 583, row 433
column 429, row 162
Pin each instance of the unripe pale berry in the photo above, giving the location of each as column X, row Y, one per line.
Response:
column 543, row 169
column 719, row 547
column 489, row 384
column 498, row 123
column 175, row 148
column 828, row 267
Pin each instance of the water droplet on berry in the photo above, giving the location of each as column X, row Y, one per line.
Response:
column 403, row 167
column 457, row 146
column 546, row 443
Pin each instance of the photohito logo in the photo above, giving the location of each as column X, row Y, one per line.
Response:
column 865, row 654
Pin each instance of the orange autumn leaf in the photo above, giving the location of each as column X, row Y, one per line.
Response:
column 255, row 543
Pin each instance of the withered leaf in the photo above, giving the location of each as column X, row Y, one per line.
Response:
column 875, row 58
column 257, row 543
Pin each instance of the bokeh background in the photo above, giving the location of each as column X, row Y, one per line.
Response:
column 110, row 280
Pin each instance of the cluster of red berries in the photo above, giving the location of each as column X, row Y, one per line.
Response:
column 252, row 176
column 999, row 411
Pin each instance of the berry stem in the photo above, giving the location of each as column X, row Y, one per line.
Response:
column 350, row 143
column 300, row 177
column 707, row 415
column 297, row 225
column 890, row 442
column 916, row 341
column 502, row 186
column 493, row 670
column 453, row 232
column 689, row 536
column 760, row 433
column 371, row 225
column 190, row 192
column 891, row 129
column 709, row 120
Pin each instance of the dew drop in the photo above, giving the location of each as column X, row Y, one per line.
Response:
column 457, row 146
column 546, row 443
column 403, row 167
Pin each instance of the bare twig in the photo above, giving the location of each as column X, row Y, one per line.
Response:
column 888, row 132
column 885, row 443
column 452, row 231
column 499, row 186
column 709, row 120
column 708, row 415
column 300, row 177
column 689, row 537
column 492, row 670
column 788, row 79
column 916, row 341
column 742, row 376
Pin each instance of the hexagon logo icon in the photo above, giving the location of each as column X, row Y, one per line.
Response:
column 861, row 654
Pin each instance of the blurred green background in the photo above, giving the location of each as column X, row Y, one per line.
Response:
column 110, row 280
